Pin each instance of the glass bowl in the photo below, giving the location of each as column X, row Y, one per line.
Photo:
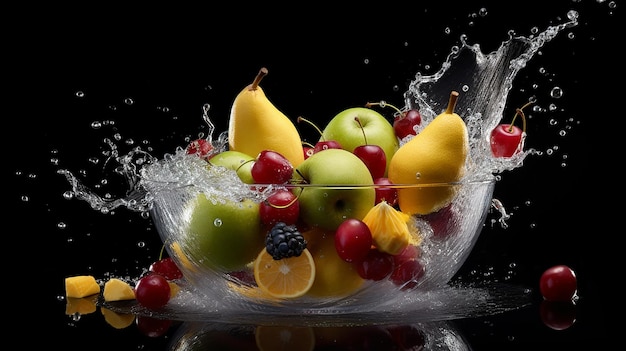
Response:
column 445, row 239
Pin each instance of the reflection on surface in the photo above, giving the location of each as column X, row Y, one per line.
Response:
column 420, row 336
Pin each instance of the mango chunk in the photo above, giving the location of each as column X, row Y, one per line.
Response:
column 81, row 286
column 118, row 290
column 117, row 320
column 174, row 289
column 83, row 305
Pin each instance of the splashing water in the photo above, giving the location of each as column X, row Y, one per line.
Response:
column 484, row 81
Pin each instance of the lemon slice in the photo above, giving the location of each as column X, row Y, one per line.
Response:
column 285, row 278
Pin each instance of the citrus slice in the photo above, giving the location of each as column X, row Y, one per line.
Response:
column 284, row 338
column 285, row 278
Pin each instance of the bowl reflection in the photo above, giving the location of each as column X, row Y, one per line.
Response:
column 444, row 238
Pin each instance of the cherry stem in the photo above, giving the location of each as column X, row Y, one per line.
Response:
column 300, row 119
column 452, row 102
column 306, row 143
column 241, row 165
column 282, row 206
column 519, row 111
column 358, row 120
column 383, row 104
column 161, row 253
column 257, row 80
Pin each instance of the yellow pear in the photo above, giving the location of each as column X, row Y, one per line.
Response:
column 436, row 155
column 256, row 125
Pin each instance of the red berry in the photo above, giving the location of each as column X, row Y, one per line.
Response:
column 152, row 291
column 201, row 147
column 558, row 283
column 325, row 145
column 407, row 274
column 281, row 206
column 442, row 222
column 270, row 167
column 167, row 268
column 409, row 253
column 388, row 194
column 308, row 151
column 376, row 265
column 372, row 155
column 353, row 240
column 405, row 124
column 506, row 140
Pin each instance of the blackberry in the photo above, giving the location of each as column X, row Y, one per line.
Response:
column 284, row 241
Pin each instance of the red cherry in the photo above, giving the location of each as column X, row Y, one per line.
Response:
column 201, row 147
column 152, row 327
column 388, row 194
column 270, row 167
column 442, row 222
column 558, row 283
column 557, row 315
column 308, row 151
column 353, row 240
column 507, row 140
column 325, row 145
column 152, row 291
column 281, row 206
column 409, row 253
column 406, row 123
column 372, row 155
column 376, row 265
column 407, row 274
column 167, row 268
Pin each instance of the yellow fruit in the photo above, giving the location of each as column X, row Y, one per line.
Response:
column 81, row 286
column 390, row 232
column 334, row 277
column 436, row 155
column 117, row 290
column 285, row 278
column 256, row 125
column 117, row 320
column 272, row 338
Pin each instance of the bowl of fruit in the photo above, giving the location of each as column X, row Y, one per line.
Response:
column 372, row 212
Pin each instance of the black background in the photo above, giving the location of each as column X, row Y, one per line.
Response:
column 320, row 61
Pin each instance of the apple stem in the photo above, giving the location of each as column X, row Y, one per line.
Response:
column 519, row 111
column 383, row 104
column 358, row 120
column 452, row 102
column 257, row 80
column 300, row 119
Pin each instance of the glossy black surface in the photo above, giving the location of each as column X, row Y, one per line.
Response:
column 320, row 62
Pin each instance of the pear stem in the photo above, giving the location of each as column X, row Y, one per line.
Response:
column 452, row 102
column 257, row 80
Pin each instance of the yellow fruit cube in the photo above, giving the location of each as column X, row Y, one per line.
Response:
column 174, row 289
column 81, row 286
column 117, row 320
column 117, row 290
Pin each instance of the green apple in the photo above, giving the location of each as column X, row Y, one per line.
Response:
column 328, row 207
column 237, row 161
column 347, row 131
column 223, row 234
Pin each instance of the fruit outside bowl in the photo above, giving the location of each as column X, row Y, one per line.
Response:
column 446, row 238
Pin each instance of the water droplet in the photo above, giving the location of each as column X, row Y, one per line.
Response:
column 96, row 124
column 562, row 133
column 366, row 61
column 556, row 92
column 482, row 12
column 68, row 195
column 129, row 101
column 141, row 244
column 218, row 222
column 25, row 198
column 465, row 88
column 447, row 30
column 61, row 225
column 552, row 107
column 80, row 94
column 573, row 14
